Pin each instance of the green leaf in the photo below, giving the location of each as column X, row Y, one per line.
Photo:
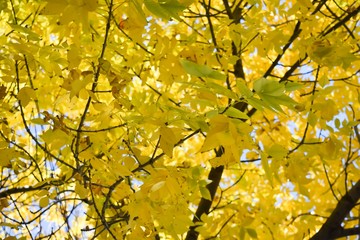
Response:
column 275, row 102
column 242, row 233
column 292, row 86
column 252, row 233
column 156, row 9
column 233, row 112
column 244, row 90
column 30, row 34
column 272, row 93
column 257, row 103
column 138, row 9
column 205, row 193
column 165, row 8
column 271, row 103
column 201, row 70
column 39, row 121
column 269, row 87
column 196, row 172
column 266, row 167
column 218, row 89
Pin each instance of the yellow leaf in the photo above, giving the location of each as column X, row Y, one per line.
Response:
column 235, row 113
column 78, row 85
column 56, row 138
column 119, row 169
column 81, row 190
column 312, row 119
column 266, row 167
column 277, row 151
column 42, row 193
column 327, row 109
column 7, row 155
column 168, row 140
column 97, row 163
column 172, row 186
column 25, row 95
column 321, row 48
column 218, row 134
column 90, row 5
column 211, row 142
column 10, row 238
column 44, row 202
column 4, row 203
column 4, row 224
column 157, row 186
column 129, row 162
column 73, row 56
column 53, row 7
column 330, row 149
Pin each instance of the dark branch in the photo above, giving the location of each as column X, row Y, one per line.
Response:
column 332, row 228
column 205, row 204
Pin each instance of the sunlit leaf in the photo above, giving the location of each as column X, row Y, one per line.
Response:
column 201, row 70
column 233, row 112
column 167, row 140
column 277, row 151
column 205, row 193
column 25, row 95
column 268, row 87
column 266, row 166
column 119, row 118
column 165, row 8
column 81, row 190
column 244, row 90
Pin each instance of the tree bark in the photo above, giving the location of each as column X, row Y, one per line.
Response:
column 332, row 228
column 204, row 205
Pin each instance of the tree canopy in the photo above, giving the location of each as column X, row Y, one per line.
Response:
column 179, row 119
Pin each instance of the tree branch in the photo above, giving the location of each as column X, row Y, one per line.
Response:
column 295, row 34
column 343, row 21
column 332, row 228
column 205, row 204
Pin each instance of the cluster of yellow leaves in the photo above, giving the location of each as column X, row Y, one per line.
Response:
column 116, row 108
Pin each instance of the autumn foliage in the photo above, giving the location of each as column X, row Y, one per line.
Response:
column 179, row 119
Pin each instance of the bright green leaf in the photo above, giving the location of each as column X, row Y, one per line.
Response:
column 205, row 193
column 233, row 112
column 292, row 86
column 201, row 70
column 268, row 87
column 165, row 8
column 244, row 90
